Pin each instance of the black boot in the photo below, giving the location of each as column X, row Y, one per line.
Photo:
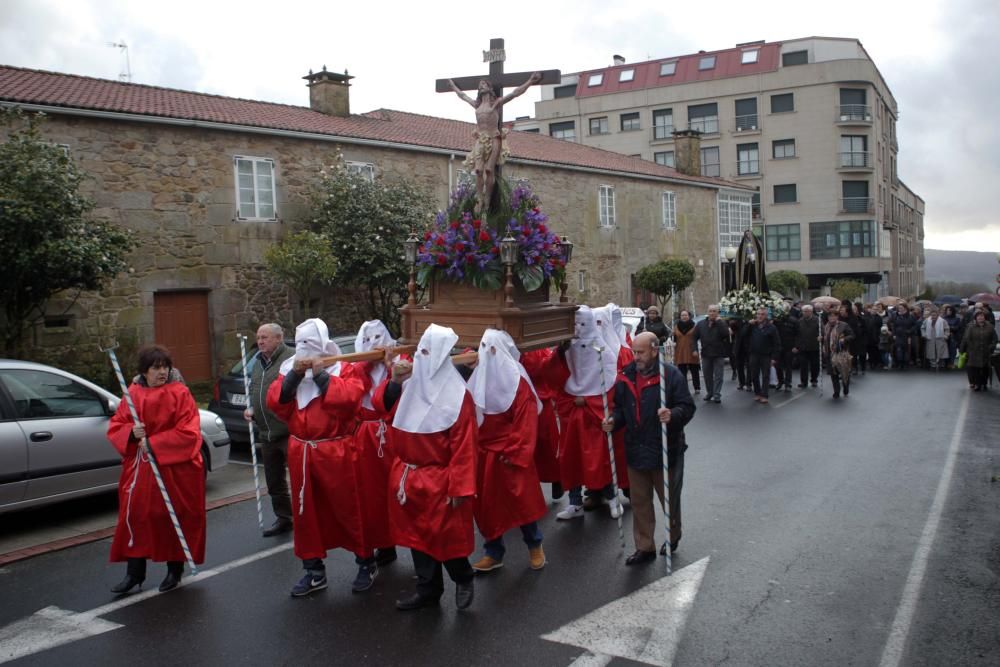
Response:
column 557, row 491
column 175, row 570
column 135, row 574
column 464, row 593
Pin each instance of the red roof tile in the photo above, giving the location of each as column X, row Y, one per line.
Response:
column 25, row 86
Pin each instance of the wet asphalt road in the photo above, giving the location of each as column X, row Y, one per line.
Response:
column 810, row 510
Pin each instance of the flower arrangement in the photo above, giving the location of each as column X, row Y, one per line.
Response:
column 744, row 303
column 462, row 247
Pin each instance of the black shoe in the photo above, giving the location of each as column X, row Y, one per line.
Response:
column 707, row 398
column 365, row 579
column 170, row 581
column 464, row 594
column 415, row 601
column 673, row 548
column 802, row 385
column 847, row 390
column 127, row 584
column 640, row 557
column 788, row 388
column 385, row 556
column 592, row 502
column 836, row 395
column 717, row 400
column 814, row 383
column 279, row 527
column 557, row 491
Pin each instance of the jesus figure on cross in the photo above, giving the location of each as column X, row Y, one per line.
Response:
column 489, row 151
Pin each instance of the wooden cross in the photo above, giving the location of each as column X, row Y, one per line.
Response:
column 497, row 77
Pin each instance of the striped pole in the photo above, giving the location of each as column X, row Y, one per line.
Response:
column 152, row 463
column 253, row 444
column 666, row 460
column 611, row 445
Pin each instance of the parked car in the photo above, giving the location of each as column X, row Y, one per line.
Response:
column 229, row 398
column 634, row 319
column 53, row 437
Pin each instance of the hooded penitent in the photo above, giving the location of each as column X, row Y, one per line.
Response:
column 312, row 339
column 373, row 334
column 587, row 354
column 432, row 396
column 494, row 382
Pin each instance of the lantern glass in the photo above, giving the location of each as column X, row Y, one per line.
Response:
column 508, row 250
column 730, row 253
column 410, row 247
column 567, row 249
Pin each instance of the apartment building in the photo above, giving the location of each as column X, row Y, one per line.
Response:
column 809, row 124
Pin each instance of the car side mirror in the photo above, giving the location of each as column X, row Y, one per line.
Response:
column 108, row 408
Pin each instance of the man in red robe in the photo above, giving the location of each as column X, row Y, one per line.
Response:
column 509, row 493
column 320, row 406
column 535, row 362
column 169, row 433
column 433, row 478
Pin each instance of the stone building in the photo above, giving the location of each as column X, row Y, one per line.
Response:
column 209, row 182
column 809, row 124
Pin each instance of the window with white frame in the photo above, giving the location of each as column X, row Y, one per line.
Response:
column 606, row 205
column 626, row 75
column 734, row 217
column 706, row 62
column 595, row 79
column 364, row 169
column 255, row 191
column 669, row 210
column 749, row 56
column 668, row 69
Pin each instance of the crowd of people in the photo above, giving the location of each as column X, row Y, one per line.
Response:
column 418, row 450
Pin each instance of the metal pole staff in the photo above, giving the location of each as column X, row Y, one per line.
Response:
column 611, row 444
column 666, row 460
column 152, row 462
column 253, row 444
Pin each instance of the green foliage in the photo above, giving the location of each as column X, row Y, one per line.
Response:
column 847, row 290
column 48, row 240
column 303, row 261
column 789, row 283
column 664, row 276
column 366, row 223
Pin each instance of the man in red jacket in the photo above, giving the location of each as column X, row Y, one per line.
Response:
column 433, row 479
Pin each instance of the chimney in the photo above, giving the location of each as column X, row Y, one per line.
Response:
column 328, row 92
column 618, row 60
column 687, row 152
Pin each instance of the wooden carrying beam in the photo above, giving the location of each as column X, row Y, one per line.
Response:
column 379, row 353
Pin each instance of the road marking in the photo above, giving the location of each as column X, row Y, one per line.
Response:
column 896, row 643
column 645, row 626
column 793, row 398
column 51, row 627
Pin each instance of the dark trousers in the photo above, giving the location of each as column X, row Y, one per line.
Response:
column 785, row 367
column 874, row 356
column 760, row 373
column 743, row 371
column 837, row 380
column 137, row 567
column 318, row 567
column 695, row 375
column 808, row 366
column 275, row 455
column 430, row 580
column 978, row 376
column 901, row 352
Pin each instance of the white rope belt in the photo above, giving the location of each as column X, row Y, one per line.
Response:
column 401, row 493
column 382, row 428
column 309, row 444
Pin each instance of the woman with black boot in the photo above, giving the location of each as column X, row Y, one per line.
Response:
column 168, row 434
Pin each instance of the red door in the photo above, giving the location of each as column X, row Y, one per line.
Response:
column 181, row 324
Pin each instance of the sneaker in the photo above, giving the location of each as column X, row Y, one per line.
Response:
column 310, row 583
column 536, row 558
column 717, row 400
column 802, row 385
column 707, row 398
column 487, row 564
column 615, row 508
column 570, row 512
column 365, row 579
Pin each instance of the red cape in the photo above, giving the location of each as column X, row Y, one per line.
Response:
column 173, row 429
column 545, row 377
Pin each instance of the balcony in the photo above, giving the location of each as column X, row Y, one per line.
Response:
column 856, row 161
column 748, row 168
column 857, row 205
column 663, row 132
column 854, row 114
column 748, row 123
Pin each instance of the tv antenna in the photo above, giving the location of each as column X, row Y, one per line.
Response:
column 126, row 75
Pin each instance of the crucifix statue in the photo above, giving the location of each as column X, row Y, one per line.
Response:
column 489, row 151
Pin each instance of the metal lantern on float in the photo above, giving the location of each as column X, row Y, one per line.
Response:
column 508, row 250
column 730, row 254
column 566, row 248
column 410, row 247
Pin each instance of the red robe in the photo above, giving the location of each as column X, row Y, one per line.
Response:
column 375, row 457
column 547, row 445
column 510, row 494
column 446, row 468
column 173, row 429
column 329, row 515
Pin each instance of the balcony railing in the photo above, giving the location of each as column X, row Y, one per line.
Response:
column 705, row 124
column 857, row 205
column 855, row 113
column 663, row 132
column 856, row 160
column 747, row 123
column 748, row 168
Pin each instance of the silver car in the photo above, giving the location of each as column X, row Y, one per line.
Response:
column 53, row 437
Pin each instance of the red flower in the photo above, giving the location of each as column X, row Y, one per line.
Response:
column 442, row 260
column 543, row 229
column 427, row 236
column 459, row 247
column 454, row 225
column 484, row 236
column 477, row 223
column 534, row 210
column 495, row 250
column 470, row 258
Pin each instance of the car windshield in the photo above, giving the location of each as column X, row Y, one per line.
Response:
column 346, row 344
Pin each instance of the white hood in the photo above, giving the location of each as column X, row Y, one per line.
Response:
column 495, row 380
column 585, row 362
column 373, row 334
column 312, row 339
column 433, row 394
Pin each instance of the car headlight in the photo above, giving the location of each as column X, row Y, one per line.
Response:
column 220, row 424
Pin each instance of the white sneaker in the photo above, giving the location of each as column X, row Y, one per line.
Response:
column 571, row 512
column 615, row 507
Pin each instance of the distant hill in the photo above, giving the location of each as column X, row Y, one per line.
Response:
column 961, row 266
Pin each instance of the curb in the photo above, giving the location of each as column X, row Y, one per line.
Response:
column 95, row 535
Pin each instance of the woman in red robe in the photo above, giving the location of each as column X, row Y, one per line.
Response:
column 433, row 478
column 509, row 493
column 170, row 432
column 320, row 407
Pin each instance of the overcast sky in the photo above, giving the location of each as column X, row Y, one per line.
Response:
column 939, row 58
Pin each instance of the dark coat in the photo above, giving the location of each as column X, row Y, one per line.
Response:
column 788, row 331
column 714, row 338
column 637, row 415
column 764, row 340
column 270, row 428
column 808, row 337
column 978, row 342
column 658, row 328
column 902, row 328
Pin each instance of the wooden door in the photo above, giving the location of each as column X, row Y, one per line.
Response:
column 181, row 324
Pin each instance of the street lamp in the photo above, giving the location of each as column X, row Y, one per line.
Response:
column 566, row 249
column 410, row 247
column 508, row 255
column 730, row 274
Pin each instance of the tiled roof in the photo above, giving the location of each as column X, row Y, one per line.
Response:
column 26, row 86
column 728, row 63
